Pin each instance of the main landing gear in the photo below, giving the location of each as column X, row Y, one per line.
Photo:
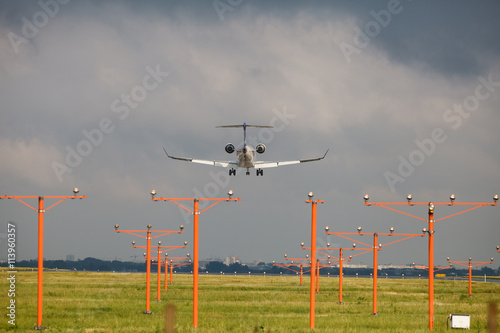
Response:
column 258, row 172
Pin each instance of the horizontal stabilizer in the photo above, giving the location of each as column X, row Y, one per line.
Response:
column 244, row 125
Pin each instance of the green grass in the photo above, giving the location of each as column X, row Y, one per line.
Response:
column 115, row 302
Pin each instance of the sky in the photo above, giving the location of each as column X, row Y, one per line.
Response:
column 406, row 96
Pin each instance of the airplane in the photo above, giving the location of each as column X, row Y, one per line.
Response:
column 245, row 155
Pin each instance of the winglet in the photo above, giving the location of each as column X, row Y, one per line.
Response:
column 323, row 155
column 166, row 152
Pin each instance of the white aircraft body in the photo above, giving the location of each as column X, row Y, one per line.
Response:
column 245, row 155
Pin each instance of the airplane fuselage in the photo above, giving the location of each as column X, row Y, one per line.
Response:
column 246, row 156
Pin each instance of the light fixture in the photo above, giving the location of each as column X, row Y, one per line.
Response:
column 359, row 229
column 431, row 208
column 452, row 198
column 424, row 230
column 366, row 197
column 327, row 228
column 76, row 190
column 116, row 226
column 185, row 243
column 149, row 226
column 153, row 193
column 495, row 197
column 133, row 243
column 310, row 195
column 302, row 244
column 409, row 197
column 181, row 227
column 391, row 229
column 353, row 245
column 230, row 193
column 159, row 243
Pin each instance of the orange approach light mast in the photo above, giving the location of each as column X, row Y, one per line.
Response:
column 148, row 253
column 159, row 251
column 196, row 214
column 312, row 297
column 376, row 247
column 430, row 220
column 469, row 264
column 41, row 210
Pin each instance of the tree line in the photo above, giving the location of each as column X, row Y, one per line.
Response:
column 93, row 264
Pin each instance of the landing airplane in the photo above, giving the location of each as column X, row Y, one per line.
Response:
column 245, row 155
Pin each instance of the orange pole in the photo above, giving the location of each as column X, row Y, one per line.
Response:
column 148, row 270
column 166, row 273
column 171, row 270
column 375, row 270
column 40, row 264
column 431, row 268
column 159, row 276
column 301, row 270
column 470, row 278
column 196, row 214
column 313, row 268
column 341, row 255
column 317, row 276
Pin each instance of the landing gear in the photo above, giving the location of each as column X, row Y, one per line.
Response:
column 259, row 172
column 232, row 172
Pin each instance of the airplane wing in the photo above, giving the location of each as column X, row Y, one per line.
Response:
column 223, row 164
column 264, row 164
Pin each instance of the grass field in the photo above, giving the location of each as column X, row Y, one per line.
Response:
column 115, row 302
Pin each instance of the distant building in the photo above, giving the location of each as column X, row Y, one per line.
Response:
column 232, row 260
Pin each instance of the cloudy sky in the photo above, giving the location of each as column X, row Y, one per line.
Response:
column 406, row 96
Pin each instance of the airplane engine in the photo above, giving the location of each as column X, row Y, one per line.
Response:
column 229, row 148
column 260, row 148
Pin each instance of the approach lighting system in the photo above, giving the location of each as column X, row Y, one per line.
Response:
column 366, row 197
column 495, row 198
column 310, row 195
column 327, row 228
column 153, row 193
column 230, row 193
column 409, row 197
column 76, row 190
column 116, row 226
column 452, row 198
column 359, row 229
column 391, row 229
